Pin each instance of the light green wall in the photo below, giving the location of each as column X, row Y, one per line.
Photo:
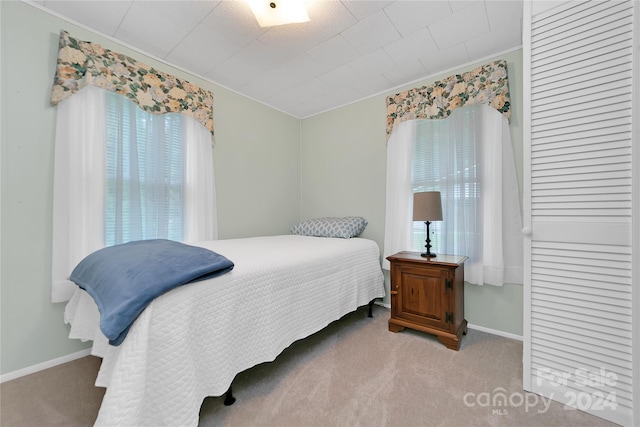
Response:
column 257, row 165
column 343, row 158
column 343, row 165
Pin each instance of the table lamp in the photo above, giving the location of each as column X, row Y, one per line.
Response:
column 427, row 207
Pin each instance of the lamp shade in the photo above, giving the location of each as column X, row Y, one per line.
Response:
column 427, row 206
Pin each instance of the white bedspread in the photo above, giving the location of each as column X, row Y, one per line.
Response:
column 192, row 341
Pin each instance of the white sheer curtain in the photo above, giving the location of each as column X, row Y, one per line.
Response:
column 79, row 187
column 200, row 221
column 399, row 203
column 481, row 214
column 78, row 191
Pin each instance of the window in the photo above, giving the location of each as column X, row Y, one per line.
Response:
column 445, row 159
column 121, row 174
column 144, row 173
column 468, row 158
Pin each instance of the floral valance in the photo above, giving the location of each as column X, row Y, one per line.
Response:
column 487, row 84
column 82, row 63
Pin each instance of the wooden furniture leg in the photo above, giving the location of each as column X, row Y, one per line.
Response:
column 228, row 398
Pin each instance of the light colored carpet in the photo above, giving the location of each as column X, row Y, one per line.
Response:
column 61, row 396
column 352, row 373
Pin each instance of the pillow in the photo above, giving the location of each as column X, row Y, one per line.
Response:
column 344, row 227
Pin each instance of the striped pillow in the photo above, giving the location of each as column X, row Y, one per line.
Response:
column 343, row 227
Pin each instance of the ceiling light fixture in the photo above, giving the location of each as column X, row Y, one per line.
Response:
column 278, row 12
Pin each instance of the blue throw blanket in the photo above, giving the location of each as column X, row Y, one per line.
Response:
column 124, row 279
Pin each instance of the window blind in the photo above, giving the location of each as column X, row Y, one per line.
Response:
column 445, row 160
column 145, row 173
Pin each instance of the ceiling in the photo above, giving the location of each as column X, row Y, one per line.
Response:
column 349, row 50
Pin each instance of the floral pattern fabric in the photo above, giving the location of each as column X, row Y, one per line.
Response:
column 487, row 84
column 82, row 63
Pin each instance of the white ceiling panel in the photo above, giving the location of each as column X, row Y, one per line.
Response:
column 181, row 15
column 234, row 72
column 265, row 86
column 202, row 50
column 259, row 56
column 458, row 5
column 460, row 26
column 410, row 16
column 376, row 62
column 327, row 19
column 504, row 36
column 345, row 95
column 157, row 27
column 374, row 83
column 311, row 88
column 363, row 9
column 350, row 49
column 371, row 33
column 339, row 77
column 99, row 15
column 446, row 59
column 298, row 69
column 234, row 21
column 406, row 71
column 406, row 48
column 500, row 13
column 288, row 40
column 332, row 53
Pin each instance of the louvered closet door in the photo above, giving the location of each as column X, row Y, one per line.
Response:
column 578, row 315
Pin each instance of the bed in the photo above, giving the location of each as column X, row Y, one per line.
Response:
column 190, row 342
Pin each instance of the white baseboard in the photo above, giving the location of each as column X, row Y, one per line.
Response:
column 381, row 304
column 495, row 332
column 44, row 365
column 472, row 326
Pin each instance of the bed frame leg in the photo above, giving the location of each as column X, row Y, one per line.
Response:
column 228, row 398
column 371, row 307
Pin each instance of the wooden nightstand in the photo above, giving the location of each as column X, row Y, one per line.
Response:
column 427, row 294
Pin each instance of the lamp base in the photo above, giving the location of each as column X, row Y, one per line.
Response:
column 428, row 253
